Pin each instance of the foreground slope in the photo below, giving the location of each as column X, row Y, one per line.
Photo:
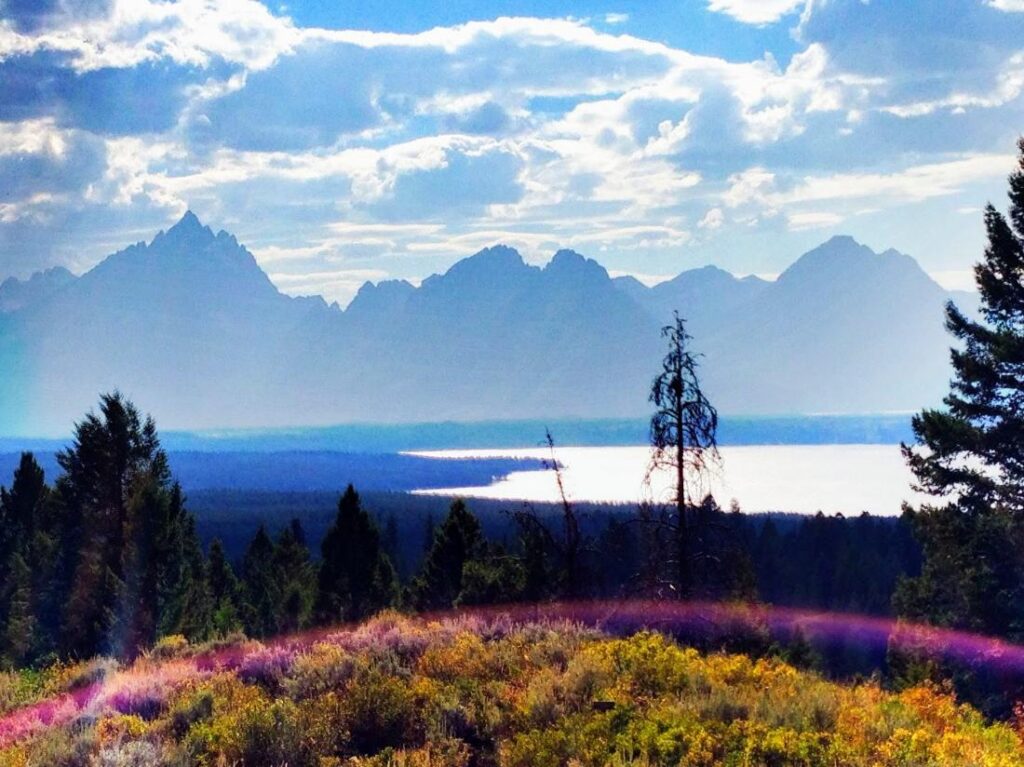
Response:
column 190, row 324
column 484, row 691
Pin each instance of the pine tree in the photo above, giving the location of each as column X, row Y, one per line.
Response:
column 390, row 543
column 261, row 586
column 356, row 578
column 22, row 506
column 19, row 622
column 190, row 611
column 970, row 456
column 297, row 578
column 225, row 592
column 115, row 473
column 457, row 541
column 429, row 529
column 26, row 560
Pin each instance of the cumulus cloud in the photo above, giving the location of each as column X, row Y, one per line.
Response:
column 339, row 150
column 756, row 11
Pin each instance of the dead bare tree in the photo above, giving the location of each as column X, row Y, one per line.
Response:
column 683, row 440
column 568, row 543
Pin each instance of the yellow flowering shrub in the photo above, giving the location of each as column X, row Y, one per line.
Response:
column 399, row 693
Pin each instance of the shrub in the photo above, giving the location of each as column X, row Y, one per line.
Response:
column 137, row 753
column 266, row 667
column 324, row 668
column 381, row 713
column 196, row 707
column 173, row 646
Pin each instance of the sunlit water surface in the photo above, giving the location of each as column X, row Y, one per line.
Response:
column 792, row 478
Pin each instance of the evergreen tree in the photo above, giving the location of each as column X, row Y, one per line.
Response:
column 970, row 456
column 225, row 592
column 296, row 576
column 617, row 558
column 18, row 622
column 391, row 543
column 356, row 578
column 493, row 577
column 191, row 607
column 261, row 586
column 26, row 561
column 429, row 529
column 22, row 507
column 534, row 555
column 457, row 541
column 115, row 475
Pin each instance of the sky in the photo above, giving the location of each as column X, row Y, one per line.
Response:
column 345, row 142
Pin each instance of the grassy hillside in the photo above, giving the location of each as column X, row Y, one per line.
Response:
column 475, row 691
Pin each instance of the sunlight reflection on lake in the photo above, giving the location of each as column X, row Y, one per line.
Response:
column 794, row 478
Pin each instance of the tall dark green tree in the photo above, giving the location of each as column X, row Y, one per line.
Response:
column 457, row 541
column 22, row 508
column 297, row 578
column 356, row 577
column 969, row 454
column 683, row 440
column 27, row 548
column 115, row 494
column 189, row 610
column 165, row 579
column 261, row 586
column 225, row 592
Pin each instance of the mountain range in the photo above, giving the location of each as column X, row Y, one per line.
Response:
column 190, row 327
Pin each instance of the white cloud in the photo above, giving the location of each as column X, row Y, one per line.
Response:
column 712, row 220
column 758, row 11
column 812, row 220
column 751, row 185
column 188, row 32
column 912, row 184
column 32, row 137
column 1008, row 87
column 1010, row 6
column 612, row 142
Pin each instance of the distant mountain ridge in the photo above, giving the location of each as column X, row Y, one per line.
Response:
column 16, row 294
column 196, row 332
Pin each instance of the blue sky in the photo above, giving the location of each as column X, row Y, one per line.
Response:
column 350, row 141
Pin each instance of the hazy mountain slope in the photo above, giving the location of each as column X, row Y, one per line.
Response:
column 17, row 294
column 190, row 327
column 843, row 329
column 706, row 297
column 492, row 338
column 188, row 324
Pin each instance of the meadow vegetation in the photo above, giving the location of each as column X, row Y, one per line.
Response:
column 473, row 691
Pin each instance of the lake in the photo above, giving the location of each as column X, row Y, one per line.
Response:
column 793, row 478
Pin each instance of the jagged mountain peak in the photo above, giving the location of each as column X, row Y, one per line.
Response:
column 701, row 275
column 570, row 265
column 489, row 268
column 496, row 256
column 189, row 231
column 842, row 257
column 17, row 294
column 375, row 299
